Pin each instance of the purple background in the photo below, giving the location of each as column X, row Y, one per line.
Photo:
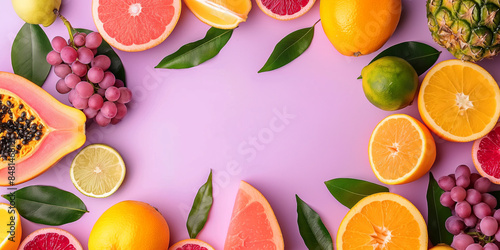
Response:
column 182, row 123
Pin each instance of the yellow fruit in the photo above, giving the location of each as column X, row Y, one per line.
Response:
column 459, row 101
column 359, row 27
column 383, row 221
column 10, row 227
column 130, row 225
column 37, row 11
column 442, row 247
column 222, row 14
column 401, row 149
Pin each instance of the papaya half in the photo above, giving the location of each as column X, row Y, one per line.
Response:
column 36, row 130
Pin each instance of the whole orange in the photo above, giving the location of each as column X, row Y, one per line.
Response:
column 359, row 27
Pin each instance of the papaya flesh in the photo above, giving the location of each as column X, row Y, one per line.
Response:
column 36, row 130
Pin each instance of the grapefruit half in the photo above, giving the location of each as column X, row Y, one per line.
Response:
column 191, row 244
column 50, row 238
column 135, row 25
column 253, row 224
column 486, row 155
column 285, row 9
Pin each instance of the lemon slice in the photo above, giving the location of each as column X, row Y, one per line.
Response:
column 222, row 14
column 10, row 227
column 97, row 171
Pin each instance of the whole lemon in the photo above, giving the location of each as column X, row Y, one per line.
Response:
column 359, row 27
column 37, row 11
column 390, row 83
column 130, row 225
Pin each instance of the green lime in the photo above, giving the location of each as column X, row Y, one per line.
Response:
column 390, row 83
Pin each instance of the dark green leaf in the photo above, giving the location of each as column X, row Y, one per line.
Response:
column 116, row 64
column 201, row 207
column 47, row 205
column 195, row 53
column 349, row 191
column 29, row 53
column 497, row 195
column 312, row 229
column 437, row 214
column 289, row 48
column 420, row 55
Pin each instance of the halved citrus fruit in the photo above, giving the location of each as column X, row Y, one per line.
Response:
column 11, row 229
column 401, row 149
column 135, row 25
column 459, row 101
column 486, row 155
column 191, row 244
column 253, row 223
column 222, row 14
column 55, row 238
column 285, row 10
column 383, row 221
column 97, row 171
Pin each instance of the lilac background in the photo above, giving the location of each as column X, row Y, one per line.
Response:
column 182, row 123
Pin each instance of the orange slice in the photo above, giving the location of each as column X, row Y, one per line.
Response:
column 383, row 221
column 222, row 14
column 253, row 223
column 459, row 101
column 401, row 149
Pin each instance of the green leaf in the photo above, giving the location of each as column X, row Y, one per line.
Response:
column 116, row 63
column 312, row 229
column 349, row 191
column 47, row 205
column 289, row 48
column 196, row 53
column 497, row 196
column 437, row 214
column 420, row 55
column 201, row 207
column 29, row 53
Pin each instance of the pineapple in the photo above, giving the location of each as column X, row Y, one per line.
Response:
column 469, row 29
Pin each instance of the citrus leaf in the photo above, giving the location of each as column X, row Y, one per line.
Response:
column 195, row 53
column 437, row 214
column 29, row 53
column 116, row 63
column 201, row 207
column 47, row 205
column 312, row 229
column 497, row 196
column 420, row 55
column 349, row 191
column 289, row 48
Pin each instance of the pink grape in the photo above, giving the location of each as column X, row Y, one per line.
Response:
column 58, row 43
column 94, row 51
column 79, row 69
column 490, row 246
column 93, row 40
column 119, row 83
column 489, row 226
column 446, row 183
column 112, row 93
column 473, row 179
column 446, row 200
column 125, row 95
column 96, row 101
column 71, row 96
column 101, row 61
column 61, row 87
column 462, row 170
column 121, row 111
column 109, row 109
column 90, row 113
column 481, row 210
column 454, row 225
column 84, row 89
column 497, row 235
column 68, row 54
column 79, row 40
column 473, row 196
column 496, row 215
column 72, row 80
column 79, row 102
column 482, row 184
column 114, row 121
column 458, row 193
column 101, row 120
column 108, row 80
column 470, row 221
column 461, row 241
column 54, row 58
column 62, row 70
column 85, row 55
column 463, row 209
column 475, row 246
column 101, row 92
column 463, row 181
column 95, row 74
column 489, row 199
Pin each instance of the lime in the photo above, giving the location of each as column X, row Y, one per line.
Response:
column 37, row 11
column 390, row 83
column 97, row 170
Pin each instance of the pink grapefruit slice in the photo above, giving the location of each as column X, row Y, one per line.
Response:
column 285, row 9
column 253, row 224
column 191, row 244
column 50, row 238
column 135, row 25
column 486, row 155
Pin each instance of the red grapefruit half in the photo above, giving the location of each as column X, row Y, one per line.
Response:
column 50, row 238
column 191, row 244
column 285, row 9
column 135, row 25
column 253, row 223
column 486, row 155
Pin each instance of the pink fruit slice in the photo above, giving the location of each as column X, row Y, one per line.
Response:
column 50, row 238
column 486, row 155
column 191, row 244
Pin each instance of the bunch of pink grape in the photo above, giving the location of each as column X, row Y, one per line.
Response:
column 85, row 76
column 474, row 221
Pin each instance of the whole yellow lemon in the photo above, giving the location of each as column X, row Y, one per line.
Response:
column 37, row 11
